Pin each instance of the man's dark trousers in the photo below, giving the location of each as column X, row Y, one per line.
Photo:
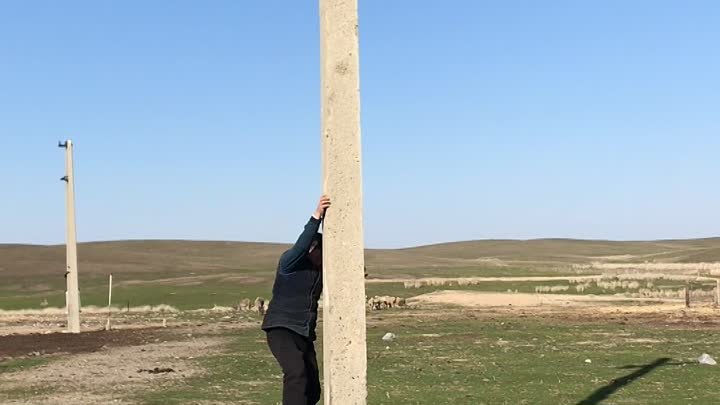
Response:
column 296, row 355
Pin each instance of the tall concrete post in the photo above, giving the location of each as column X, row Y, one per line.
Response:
column 71, row 273
column 344, row 344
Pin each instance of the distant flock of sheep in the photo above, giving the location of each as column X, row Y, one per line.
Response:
column 632, row 284
column 709, row 269
column 379, row 303
column 376, row 303
column 635, row 284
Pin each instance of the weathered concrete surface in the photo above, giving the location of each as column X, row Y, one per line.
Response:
column 72, row 293
column 345, row 353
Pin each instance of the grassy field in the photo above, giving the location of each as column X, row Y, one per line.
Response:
column 20, row 364
column 184, row 297
column 190, row 275
column 486, row 360
column 221, row 292
column 442, row 355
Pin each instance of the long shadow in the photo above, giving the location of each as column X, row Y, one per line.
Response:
column 605, row 392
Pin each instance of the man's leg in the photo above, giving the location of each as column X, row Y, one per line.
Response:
column 284, row 346
column 313, row 375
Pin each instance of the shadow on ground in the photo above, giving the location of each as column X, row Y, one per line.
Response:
column 605, row 392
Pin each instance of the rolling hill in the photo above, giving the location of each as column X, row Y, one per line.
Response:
column 193, row 274
column 170, row 257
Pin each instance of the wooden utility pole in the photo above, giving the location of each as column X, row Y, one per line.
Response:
column 344, row 342
column 72, row 293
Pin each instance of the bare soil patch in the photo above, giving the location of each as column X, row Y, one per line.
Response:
column 111, row 374
column 489, row 299
column 86, row 342
column 441, row 280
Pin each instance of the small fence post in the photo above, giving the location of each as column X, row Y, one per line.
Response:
column 107, row 326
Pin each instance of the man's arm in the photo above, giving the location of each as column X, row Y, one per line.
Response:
column 290, row 258
column 296, row 253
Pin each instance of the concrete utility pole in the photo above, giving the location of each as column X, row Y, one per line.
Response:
column 344, row 342
column 71, row 274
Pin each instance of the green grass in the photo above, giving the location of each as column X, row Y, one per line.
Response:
column 15, row 365
column 537, row 270
column 157, row 288
column 502, row 361
column 214, row 292
column 160, row 288
column 34, row 273
column 147, row 292
column 399, row 290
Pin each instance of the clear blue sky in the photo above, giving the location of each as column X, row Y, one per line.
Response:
column 505, row 119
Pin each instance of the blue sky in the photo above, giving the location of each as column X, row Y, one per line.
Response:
column 513, row 119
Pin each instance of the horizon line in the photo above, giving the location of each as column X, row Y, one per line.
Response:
column 567, row 239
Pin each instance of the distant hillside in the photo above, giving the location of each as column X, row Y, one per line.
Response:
column 577, row 251
column 191, row 274
column 172, row 257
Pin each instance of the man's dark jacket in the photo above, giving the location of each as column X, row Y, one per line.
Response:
column 297, row 288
